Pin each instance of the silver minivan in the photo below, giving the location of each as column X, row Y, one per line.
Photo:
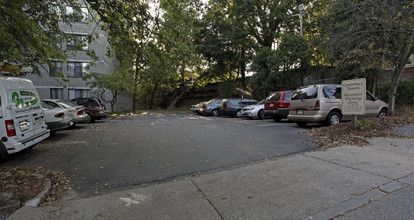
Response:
column 322, row 104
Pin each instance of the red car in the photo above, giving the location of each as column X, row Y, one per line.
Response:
column 277, row 104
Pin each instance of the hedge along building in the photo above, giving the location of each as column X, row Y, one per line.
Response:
column 63, row 79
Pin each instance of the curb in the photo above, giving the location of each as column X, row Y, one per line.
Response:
column 48, row 185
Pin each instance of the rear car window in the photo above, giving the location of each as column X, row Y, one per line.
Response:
column 332, row 92
column 310, row 92
column 288, row 96
column 274, row 97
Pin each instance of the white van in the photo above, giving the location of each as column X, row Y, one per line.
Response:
column 22, row 124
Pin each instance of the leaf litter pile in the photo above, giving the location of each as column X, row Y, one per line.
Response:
column 346, row 134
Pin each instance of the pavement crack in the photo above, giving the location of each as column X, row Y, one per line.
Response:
column 349, row 167
column 205, row 197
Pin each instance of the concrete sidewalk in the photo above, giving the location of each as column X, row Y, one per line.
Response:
column 349, row 180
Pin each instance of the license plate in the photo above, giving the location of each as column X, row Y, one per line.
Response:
column 24, row 126
column 271, row 105
column 299, row 112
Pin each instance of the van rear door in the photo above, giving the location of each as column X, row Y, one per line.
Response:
column 24, row 105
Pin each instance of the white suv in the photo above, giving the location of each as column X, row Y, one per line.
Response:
column 322, row 104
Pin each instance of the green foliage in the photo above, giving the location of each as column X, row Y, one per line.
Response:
column 364, row 124
column 226, row 89
column 30, row 33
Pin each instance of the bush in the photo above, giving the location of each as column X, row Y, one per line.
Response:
column 405, row 92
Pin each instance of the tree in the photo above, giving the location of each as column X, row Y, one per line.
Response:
column 367, row 37
column 30, row 33
column 117, row 82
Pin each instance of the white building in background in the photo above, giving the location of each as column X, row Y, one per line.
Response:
column 50, row 84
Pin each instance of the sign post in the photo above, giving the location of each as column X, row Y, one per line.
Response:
column 353, row 96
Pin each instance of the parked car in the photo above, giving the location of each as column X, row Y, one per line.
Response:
column 76, row 112
column 94, row 108
column 211, row 107
column 277, row 104
column 56, row 118
column 322, row 104
column 196, row 108
column 233, row 106
column 21, row 116
column 256, row 110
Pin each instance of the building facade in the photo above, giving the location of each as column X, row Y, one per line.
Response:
column 63, row 79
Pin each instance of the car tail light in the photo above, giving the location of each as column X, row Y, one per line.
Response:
column 60, row 115
column 11, row 131
column 283, row 105
column 80, row 113
column 317, row 106
column 226, row 107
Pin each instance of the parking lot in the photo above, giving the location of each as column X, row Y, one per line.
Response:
column 141, row 149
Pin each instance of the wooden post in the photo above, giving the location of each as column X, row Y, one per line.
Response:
column 354, row 120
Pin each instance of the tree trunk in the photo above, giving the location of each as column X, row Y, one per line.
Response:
column 397, row 74
column 243, row 67
column 153, row 94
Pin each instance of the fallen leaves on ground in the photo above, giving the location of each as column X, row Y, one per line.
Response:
column 346, row 134
column 21, row 181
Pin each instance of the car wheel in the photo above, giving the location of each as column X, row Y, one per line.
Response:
column 333, row 118
column 301, row 123
column 91, row 118
column 276, row 119
column 383, row 113
column 215, row 112
column 261, row 114
column 238, row 114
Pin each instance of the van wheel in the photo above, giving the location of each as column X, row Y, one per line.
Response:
column 301, row 123
column 215, row 112
column 3, row 152
column 333, row 118
column 383, row 113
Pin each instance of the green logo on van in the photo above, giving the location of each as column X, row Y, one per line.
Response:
column 25, row 98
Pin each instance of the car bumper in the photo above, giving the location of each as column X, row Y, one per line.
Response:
column 306, row 118
column 279, row 112
column 55, row 126
column 80, row 119
column 21, row 145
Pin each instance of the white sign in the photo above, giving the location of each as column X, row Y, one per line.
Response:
column 353, row 94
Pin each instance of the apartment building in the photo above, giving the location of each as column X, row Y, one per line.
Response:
column 50, row 83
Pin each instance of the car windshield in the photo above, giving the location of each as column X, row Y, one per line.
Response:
column 261, row 102
column 67, row 104
column 309, row 92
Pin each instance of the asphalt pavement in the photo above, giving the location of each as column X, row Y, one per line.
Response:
column 346, row 182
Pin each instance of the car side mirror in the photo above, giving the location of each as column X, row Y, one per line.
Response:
column 376, row 98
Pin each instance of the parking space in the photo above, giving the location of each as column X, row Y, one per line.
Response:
column 139, row 149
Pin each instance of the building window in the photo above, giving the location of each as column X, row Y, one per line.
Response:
column 55, row 68
column 80, row 15
column 78, row 93
column 77, row 69
column 56, row 93
column 79, row 42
